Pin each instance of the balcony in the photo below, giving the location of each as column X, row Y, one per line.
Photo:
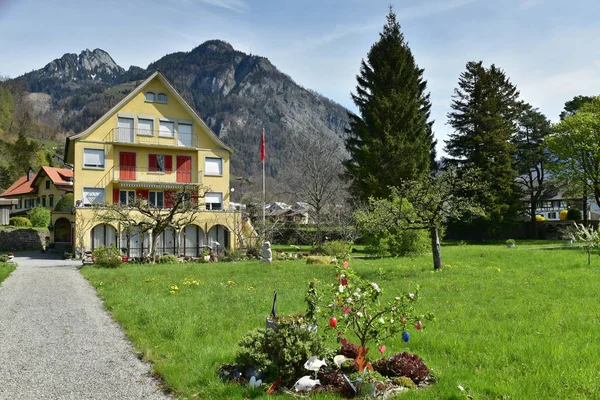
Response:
column 144, row 137
column 143, row 177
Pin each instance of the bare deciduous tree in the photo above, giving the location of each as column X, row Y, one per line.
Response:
column 313, row 174
column 182, row 210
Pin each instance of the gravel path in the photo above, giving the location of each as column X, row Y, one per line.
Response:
column 57, row 341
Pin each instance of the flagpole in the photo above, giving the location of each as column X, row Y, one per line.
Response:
column 263, row 176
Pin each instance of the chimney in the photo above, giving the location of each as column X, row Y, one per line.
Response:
column 30, row 174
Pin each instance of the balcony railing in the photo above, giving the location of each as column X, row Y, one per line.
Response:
column 144, row 175
column 153, row 138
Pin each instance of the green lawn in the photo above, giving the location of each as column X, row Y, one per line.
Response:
column 511, row 323
column 5, row 270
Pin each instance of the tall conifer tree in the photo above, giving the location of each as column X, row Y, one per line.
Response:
column 391, row 140
column 485, row 108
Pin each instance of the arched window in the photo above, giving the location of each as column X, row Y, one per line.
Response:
column 191, row 242
column 218, row 239
column 103, row 235
column 161, row 98
column 150, row 96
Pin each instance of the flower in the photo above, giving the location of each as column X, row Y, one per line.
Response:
column 397, row 298
column 375, row 286
column 359, row 314
column 344, row 281
column 341, row 288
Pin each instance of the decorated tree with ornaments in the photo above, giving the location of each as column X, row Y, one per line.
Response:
column 357, row 307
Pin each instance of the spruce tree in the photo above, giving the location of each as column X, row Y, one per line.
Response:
column 485, row 108
column 391, row 140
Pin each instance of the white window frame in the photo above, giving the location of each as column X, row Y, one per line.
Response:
column 162, row 133
column 213, row 159
column 85, row 198
column 156, row 196
column 158, row 98
column 129, row 199
column 212, row 205
column 144, row 132
column 150, row 100
column 90, row 151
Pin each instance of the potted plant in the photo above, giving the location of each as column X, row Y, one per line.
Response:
column 510, row 243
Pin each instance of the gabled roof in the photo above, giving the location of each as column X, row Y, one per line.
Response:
column 58, row 176
column 21, row 186
column 134, row 93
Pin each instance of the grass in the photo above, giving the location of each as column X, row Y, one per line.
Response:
column 511, row 323
column 5, row 270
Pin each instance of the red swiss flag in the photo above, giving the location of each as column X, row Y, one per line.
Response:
column 263, row 152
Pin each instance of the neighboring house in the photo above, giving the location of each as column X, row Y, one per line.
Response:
column 46, row 187
column 5, row 207
column 150, row 144
column 550, row 207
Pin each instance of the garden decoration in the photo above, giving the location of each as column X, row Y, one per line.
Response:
column 266, row 255
column 340, row 359
column 314, row 364
column 254, row 383
column 275, row 385
column 274, row 308
column 361, row 360
column 306, row 384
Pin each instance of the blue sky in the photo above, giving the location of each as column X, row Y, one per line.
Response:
column 548, row 48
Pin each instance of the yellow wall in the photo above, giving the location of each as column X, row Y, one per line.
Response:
column 101, row 137
column 107, row 178
column 41, row 192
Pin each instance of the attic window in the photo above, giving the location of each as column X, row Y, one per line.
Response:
column 150, row 96
column 161, row 98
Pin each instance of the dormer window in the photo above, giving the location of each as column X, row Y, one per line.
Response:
column 161, row 98
column 150, row 96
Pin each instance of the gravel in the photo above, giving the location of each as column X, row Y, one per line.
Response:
column 57, row 341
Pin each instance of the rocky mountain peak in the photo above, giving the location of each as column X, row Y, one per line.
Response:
column 95, row 65
column 215, row 45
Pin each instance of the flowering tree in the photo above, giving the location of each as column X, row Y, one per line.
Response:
column 588, row 236
column 356, row 303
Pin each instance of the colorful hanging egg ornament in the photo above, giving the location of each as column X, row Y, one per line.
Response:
column 332, row 322
column 419, row 325
column 405, row 336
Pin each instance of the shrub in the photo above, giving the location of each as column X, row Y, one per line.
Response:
column 573, row 214
column 168, row 259
column 349, row 350
column 280, row 353
column 383, row 236
column 408, row 365
column 3, row 258
column 21, row 222
column 322, row 260
column 107, row 257
column 539, row 218
column 337, row 248
column 65, row 204
column 39, row 216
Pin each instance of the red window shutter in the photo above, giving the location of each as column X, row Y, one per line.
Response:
column 169, row 197
column 168, row 163
column 115, row 196
column 152, row 162
column 142, row 193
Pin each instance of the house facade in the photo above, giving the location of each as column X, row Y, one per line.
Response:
column 151, row 145
column 46, row 188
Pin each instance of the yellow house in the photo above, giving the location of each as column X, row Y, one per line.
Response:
column 45, row 188
column 150, row 145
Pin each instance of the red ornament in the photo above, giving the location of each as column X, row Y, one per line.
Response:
column 344, row 281
column 419, row 325
column 332, row 322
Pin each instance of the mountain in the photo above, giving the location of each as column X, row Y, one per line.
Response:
column 237, row 95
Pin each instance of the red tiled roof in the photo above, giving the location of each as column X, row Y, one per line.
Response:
column 58, row 176
column 21, row 186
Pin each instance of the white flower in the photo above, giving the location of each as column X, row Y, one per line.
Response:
column 375, row 286
column 397, row 298
column 359, row 314
column 411, row 295
column 341, row 288
column 394, row 308
column 462, row 389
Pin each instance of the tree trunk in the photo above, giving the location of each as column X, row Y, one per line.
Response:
column 534, row 225
column 435, row 248
column 153, row 244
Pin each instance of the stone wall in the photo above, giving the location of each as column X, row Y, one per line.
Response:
column 22, row 239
